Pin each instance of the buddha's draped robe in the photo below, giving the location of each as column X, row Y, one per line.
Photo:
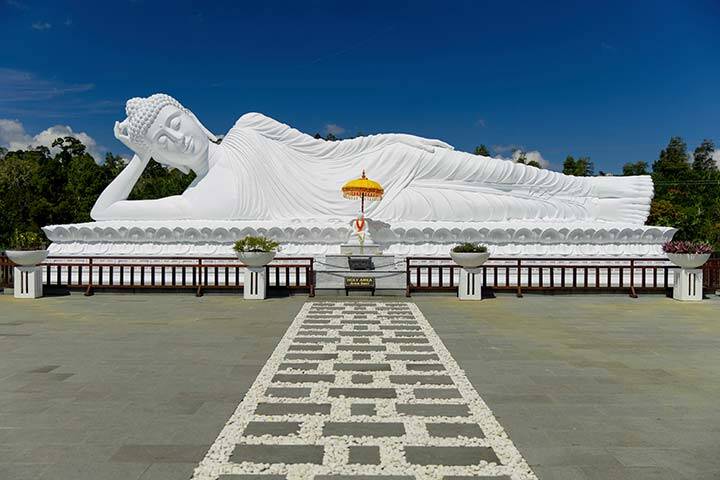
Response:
column 276, row 172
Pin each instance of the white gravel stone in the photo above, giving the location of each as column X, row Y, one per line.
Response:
column 336, row 449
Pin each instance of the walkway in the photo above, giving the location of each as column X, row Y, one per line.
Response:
column 362, row 391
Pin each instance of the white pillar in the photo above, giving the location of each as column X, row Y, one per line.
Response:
column 255, row 285
column 471, row 283
column 28, row 282
column 688, row 284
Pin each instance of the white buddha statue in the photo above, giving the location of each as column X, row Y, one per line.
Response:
column 265, row 170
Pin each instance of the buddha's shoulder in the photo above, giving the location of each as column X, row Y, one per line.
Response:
column 256, row 120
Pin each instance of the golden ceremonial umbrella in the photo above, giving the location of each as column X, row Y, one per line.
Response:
column 363, row 188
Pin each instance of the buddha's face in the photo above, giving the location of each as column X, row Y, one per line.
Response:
column 176, row 139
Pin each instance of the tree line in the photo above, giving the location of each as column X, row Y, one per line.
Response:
column 38, row 187
column 687, row 187
column 41, row 187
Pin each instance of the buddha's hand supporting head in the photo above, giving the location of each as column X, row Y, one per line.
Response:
column 160, row 127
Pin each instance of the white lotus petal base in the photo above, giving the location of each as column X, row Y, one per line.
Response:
column 321, row 237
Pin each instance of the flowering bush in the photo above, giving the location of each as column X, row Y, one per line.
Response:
column 470, row 248
column 678, row 246
column 256, row 244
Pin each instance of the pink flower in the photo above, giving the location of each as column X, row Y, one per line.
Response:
column 684, row 246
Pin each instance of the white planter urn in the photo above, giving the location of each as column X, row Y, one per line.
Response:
column 255, row 283
column 256, row 259
column 688, row 280
column 688, row 260
column 28, row 281
column 27, row 258
column 471, row 281
column 469, row 259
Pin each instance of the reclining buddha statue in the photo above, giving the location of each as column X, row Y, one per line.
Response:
column 265, row 170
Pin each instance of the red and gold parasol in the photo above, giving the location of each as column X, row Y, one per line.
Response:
column 363, row 188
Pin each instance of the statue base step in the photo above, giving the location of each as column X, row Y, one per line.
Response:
column 357, row 249
column 387, row 274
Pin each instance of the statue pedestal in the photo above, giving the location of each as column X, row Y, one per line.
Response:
column 356, row 249
column 255, row 285
column 688, row 284
column 471, row 283
column 28, row 282
column 318, row 238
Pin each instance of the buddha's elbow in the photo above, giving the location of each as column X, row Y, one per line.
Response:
column 97, row 213
column 101, row 212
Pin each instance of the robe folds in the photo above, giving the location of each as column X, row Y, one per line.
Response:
column 266, row 170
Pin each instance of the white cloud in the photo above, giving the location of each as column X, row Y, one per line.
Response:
column 480, row 122
column 334, row 129
column 506, row 148
column 530, row 156
column 21, row 86
column 41, row 26
column 14, row 137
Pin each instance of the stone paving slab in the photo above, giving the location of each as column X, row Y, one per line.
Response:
column 375, row 410
column 588, row 387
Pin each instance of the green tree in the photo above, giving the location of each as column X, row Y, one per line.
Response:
column 522, row 157
column 703, row 157
column 330, row 137
column 569, row 165
column 158, row 181
column 636, row 168
column 582, row 167
column 673, row 161
column 482, row 150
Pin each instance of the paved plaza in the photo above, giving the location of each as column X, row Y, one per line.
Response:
column 170, row 386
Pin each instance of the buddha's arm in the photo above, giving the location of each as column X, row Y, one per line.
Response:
column 112, row 204
column 168, row 208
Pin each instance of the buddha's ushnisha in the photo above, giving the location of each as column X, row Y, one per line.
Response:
column 265, row 170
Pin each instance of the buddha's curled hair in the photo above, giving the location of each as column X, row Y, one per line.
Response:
column 142, row 112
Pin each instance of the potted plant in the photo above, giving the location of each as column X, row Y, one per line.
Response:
column 470, row 255
column 686, row 254
column 256, row 251
column 27, row 249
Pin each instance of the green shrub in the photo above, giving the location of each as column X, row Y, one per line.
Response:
column 470, row 248
column 256, row 244
column 27, row 241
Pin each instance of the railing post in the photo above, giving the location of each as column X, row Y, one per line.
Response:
column 89, row 290
column 407, row 276
column 519, row 279
column 311, row 280
column 199, row 292
column 632, row 279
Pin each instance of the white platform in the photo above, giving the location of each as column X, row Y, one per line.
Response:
column 325, row 237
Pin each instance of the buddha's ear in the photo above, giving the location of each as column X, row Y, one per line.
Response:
column 183, row 169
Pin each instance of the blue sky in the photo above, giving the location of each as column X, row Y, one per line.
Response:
column 612, row 80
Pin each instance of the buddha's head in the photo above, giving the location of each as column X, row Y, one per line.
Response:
column 160, row 127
